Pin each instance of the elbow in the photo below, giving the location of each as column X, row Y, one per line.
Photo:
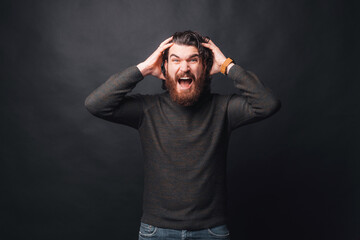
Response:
column 273, row 106
column 96, row 107
column 276, row 106
column 268, row 108
column 90, row 105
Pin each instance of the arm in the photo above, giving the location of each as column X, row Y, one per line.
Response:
column 253, row 102
column 109, row 101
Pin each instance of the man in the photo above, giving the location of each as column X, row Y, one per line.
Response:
column 184, row 132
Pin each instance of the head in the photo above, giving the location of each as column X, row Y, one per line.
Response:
column 186, row 67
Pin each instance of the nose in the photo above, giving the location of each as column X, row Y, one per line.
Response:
column 184, row 66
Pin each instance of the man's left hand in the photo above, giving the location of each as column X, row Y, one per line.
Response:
column 219, row 58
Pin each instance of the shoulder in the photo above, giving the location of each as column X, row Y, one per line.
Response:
column 220, row 98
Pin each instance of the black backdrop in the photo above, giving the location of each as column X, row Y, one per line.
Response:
column 68, row 175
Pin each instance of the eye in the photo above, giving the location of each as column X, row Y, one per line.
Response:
column 194, row 60
column 175, row 60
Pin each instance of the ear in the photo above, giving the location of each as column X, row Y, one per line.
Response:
column 164, row 68
column 204, row 65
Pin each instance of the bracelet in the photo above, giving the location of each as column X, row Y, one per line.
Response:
column 225, row 65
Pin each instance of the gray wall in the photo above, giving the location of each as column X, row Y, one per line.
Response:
column 68, row 175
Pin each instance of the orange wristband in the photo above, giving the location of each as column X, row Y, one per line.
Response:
column 225, row 65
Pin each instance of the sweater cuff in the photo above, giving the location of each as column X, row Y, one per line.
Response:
column 133, row 73
column 235, row 71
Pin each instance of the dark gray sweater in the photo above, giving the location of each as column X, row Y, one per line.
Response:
column 184, row 148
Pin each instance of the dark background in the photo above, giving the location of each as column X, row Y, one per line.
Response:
column 68, row 175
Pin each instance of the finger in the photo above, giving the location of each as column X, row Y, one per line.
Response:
column 163, row 48
column 207, row 45
column 212, row 43
column 166, row 41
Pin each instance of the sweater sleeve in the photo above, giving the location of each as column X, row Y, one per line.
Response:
column 253, row 101
column 110, row 100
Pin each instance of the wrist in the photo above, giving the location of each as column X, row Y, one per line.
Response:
column 225, row 66
column 143, row 69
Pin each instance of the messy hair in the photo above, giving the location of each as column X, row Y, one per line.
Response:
column 191, row 38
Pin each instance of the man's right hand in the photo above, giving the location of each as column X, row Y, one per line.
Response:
column 152, row 65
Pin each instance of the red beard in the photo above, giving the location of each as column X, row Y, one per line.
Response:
column 185, row 98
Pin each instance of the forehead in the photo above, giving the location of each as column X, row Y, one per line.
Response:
column 183, row 51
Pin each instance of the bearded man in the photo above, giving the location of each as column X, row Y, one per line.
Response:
column 184, row 132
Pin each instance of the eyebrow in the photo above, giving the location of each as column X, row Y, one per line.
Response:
column 194, row 55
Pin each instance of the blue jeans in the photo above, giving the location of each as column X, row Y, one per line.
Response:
column 154, row 233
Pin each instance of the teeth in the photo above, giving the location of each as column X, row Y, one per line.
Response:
column 185, row 78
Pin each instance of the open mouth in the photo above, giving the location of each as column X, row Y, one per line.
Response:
column 185, row 82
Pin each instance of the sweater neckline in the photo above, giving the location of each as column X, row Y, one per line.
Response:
column 203, row 99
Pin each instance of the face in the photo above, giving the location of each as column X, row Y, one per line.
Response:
column 184, row 74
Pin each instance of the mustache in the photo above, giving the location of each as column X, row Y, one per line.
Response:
column 189, row 75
